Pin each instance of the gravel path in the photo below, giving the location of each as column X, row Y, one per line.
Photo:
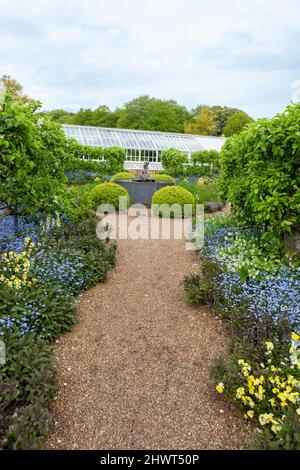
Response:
column 134, row 373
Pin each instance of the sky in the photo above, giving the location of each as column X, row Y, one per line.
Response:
column 71, row 54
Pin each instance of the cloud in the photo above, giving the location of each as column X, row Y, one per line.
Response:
column 73, row 54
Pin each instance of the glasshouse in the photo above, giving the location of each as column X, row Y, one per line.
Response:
column 141, row 146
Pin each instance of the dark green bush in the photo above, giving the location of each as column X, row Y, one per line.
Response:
column 27, row 386
column 108, row 193
column 198, row 290
column 173, row 195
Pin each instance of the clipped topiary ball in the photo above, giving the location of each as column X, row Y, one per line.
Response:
column 171, row 195
column 123, row 175
column 163, row 178
column 108, row 193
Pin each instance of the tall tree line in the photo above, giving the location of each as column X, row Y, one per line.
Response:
column 147, row 113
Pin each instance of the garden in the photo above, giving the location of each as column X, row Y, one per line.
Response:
column 50, row 188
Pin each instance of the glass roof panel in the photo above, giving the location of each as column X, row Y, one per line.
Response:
column 145, row 140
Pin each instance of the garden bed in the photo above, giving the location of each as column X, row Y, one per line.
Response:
column 43, row 269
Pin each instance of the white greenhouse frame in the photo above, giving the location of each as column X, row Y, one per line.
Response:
column 141, row 146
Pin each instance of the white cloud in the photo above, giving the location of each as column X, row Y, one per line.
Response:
column 84, row 53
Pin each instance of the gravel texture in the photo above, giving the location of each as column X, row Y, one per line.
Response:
column 134, row 373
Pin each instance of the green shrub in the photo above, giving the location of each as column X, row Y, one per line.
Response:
column 198, row 290
column 206, row 193
column 57, row 310
column 205, row 163
column 107, row 160
column 108, row 193
column 123, row 175
column 174, row 162
column 27, row 387
column 173, row 195
column 163, row 177
column 260, row 172
column 76, row 202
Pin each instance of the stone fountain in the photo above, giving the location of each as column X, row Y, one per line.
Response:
column 142, row 188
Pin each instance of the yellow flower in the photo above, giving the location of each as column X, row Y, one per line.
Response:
column 298, row 411
column 295, row 336
column 240, row 392
column 220, row 387
column 275, row 428
column 267, row 418
column 250, row 414
column 269, row 345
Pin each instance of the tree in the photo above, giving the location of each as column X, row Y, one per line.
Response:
column 59, row 115
column 236, row 123
column 174, row 162
column 32, row 160
column 147, row 113
column 213, row 119
column 15, row 89
column 202, row 124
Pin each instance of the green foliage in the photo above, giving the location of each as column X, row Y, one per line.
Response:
column 32, row 159
column 198, row 290
column 236, row 123
column 108, row 159
column 211, row 120
column 147, row 113
column 202, row 194
column 108, row 193
column 122, row 175
column 173, row 195
column 260, row 171
column 162, row 177
column 60, row 116
column 288, row 438
column 76, row 204
column 205, row 163
column 27, row 386
column 174, row 162
column 203, row 123
column 56, row 316
column 80, row 237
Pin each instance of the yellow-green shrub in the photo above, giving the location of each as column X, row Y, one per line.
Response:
column 123, row 175
column 169, row 196
column 107, row 193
